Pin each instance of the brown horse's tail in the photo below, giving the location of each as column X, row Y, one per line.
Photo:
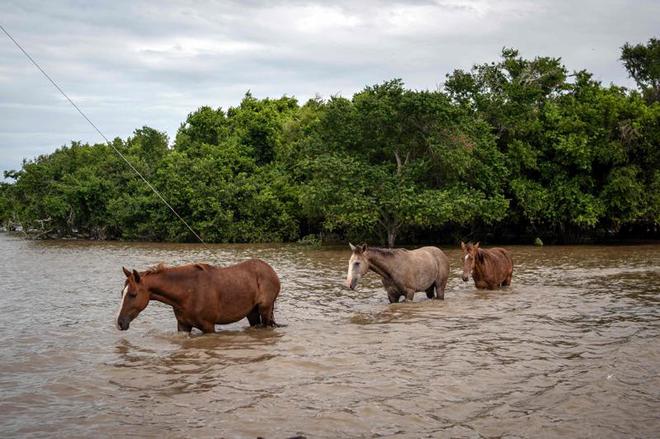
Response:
column 269, row 282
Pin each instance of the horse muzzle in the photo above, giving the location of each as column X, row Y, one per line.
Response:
column 123, row 323
column 465, row 278
column 352, row 283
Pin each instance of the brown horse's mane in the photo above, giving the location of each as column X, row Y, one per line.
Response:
column 156, row 269
column 162, row 268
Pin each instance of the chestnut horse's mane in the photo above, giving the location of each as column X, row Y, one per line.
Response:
column 156, row 269
column 161, row 268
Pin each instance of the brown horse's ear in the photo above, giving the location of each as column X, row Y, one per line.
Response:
column 136, row 276
column 462, row 245
column 480, row 255
column 351, row 246
column 363, row 248
column 127, row 272
column 476, row 245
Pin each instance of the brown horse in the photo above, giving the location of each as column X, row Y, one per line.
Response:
column 403, row 271
column 203, row 295
column 490, row 269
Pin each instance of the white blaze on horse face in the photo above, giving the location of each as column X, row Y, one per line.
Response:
column 349, row 273
column 467, row 256
column 358, row 266
column 355, row 271
column 121, row 305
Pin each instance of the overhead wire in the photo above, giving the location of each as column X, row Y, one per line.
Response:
column 103, row 136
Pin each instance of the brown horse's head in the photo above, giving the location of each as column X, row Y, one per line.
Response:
column 358, row 265
column 134, row 298
column 470, row 255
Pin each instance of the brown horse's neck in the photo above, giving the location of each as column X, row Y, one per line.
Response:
column 165, row 289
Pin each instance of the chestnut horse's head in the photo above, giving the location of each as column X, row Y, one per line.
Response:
column 470, row 255
column 358, row 265
column 134, row 298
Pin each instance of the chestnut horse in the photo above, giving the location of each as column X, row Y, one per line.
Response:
column 203, row 295
column 403, row 272
column 490, row 268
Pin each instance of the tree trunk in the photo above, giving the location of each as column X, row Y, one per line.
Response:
column 391, row 236
column 390, row 225
column 399, row 164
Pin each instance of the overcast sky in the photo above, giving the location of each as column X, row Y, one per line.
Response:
column 134, row 63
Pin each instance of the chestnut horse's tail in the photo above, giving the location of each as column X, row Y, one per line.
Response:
column 267, row 280
column 268, row 285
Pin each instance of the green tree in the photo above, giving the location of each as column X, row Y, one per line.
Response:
column 574, row 149
column 643, row 65
column 204, row 126
column 258, row 125
column 511, row 148
column 374, row 164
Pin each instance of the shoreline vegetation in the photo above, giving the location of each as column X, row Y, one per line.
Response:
column 512, row 151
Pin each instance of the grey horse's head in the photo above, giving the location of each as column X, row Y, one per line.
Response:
column 358, row 265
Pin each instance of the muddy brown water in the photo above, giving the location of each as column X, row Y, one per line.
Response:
column 572, row 349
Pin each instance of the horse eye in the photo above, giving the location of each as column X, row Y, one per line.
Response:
column 132, row 293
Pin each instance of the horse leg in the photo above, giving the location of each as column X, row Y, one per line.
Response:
column 507, row 281
column 207, row 328
column 440, row 291
column 182, row 327
column 481, row 284
column 253, row 317
column 440, row 286
column 393, row 296
column 266, row 312
column 410, row 295
column 393, row 293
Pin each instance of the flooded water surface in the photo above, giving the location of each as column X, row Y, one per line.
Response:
column 571, row 349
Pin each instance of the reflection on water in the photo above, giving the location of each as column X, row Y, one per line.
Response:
column 571, row 349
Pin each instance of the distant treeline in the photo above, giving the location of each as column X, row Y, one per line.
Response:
column 508, row 151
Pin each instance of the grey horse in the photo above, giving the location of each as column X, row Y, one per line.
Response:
column 403, row 271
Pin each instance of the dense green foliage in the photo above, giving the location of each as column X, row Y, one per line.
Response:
column 643, row 64
column 508, row 150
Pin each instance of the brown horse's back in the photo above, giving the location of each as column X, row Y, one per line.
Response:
column 497, row 269
column 238, row 289
column 504, row 252
column 224, row 295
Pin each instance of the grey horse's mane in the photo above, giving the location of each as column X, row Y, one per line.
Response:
column 384, row 251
